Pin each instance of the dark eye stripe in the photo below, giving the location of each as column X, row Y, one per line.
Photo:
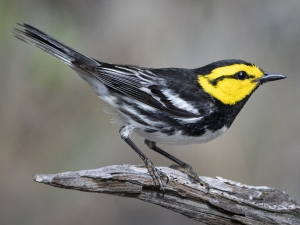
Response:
column 214, row 82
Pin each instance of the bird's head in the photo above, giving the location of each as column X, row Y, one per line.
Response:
column 231, row 81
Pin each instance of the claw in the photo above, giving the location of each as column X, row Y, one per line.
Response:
column 156, row 175
column 187, row 169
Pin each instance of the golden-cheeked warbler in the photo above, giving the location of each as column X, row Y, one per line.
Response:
column 171, row 105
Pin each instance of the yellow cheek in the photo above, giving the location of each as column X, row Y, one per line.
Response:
column 228, row 91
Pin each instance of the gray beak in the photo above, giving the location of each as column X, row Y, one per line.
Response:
column 269, row 77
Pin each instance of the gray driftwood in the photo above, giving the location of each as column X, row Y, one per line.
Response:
column 228, row 202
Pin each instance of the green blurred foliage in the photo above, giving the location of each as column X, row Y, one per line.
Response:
column 51, row 121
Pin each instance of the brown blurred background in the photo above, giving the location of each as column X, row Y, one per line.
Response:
column 51, row 121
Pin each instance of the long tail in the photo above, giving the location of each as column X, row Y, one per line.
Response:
column 35, row 37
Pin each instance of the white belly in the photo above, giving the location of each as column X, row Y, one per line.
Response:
column 179, row 139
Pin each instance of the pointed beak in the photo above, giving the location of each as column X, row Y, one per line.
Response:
column 269, row 77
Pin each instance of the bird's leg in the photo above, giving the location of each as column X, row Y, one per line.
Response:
column 156, row 174
column 183, row 167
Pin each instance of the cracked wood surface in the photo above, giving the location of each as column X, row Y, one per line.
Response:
column 227, row 202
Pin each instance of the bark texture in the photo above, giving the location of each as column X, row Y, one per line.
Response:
column 227, row 202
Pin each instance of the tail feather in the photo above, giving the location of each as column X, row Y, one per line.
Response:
column 41, row 40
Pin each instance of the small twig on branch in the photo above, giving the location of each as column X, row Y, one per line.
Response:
column 227, row 202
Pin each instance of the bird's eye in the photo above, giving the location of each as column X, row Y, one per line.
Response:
column 242, row 75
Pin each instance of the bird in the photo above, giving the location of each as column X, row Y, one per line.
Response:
column 174, row 106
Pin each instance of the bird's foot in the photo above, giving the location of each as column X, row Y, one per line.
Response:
column 156, row 174
column 187, row 169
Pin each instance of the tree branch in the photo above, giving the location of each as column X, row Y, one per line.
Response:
column 227, row 202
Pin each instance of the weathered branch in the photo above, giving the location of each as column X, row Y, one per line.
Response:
column 227, row 202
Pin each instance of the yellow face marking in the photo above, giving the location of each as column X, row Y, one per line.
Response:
column 229, row 89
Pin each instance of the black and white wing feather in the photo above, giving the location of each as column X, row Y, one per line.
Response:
column 138, row 83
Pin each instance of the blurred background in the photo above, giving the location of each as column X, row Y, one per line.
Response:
column 51, row 121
